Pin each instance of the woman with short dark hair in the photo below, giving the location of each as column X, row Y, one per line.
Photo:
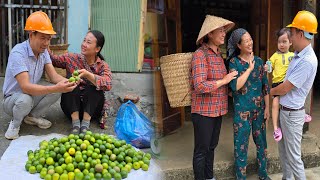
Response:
column 250, row 92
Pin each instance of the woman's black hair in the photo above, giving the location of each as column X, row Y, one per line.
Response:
column 100, row 41
column 205, row 39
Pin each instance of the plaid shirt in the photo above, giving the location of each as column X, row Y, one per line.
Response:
column 207, row 68
column 100, row 68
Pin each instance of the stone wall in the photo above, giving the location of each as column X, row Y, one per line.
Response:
column 140, row 84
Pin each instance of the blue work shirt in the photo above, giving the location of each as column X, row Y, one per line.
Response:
column 22, row 59
column 301, row 73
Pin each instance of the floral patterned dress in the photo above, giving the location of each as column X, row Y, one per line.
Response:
column 249, row 108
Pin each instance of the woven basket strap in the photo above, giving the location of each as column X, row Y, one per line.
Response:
column 205, row 51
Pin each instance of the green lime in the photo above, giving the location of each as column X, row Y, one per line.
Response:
column 148, row 155
column 49, row 161
column 75, row 73
column 117, row 176
column 58, row 170
column 112, row 172
column 107, row 176
column 124, row 174
column 131, row 153
column 70, row 167
column 48, row 177
column 29, row 152
column 32, row 170
column 120, row 158
column 145, row 167
column 64, row 177
column 72, row 79
column 98, row 168
column 78, row 158
column 81, row 166
column 39, row 168
column 98, row 175
column 43, row 174
column 27, row 166
column 136, row 165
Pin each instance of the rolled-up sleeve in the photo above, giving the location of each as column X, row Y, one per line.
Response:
column 296, row 77
column 61, row 61
column 233, row 67
column 265, row 83
column 17, row 63
column 103, row 80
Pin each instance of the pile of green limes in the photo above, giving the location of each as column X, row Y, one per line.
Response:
column 85, row 157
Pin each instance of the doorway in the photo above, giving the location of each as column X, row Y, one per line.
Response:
column 193, row 13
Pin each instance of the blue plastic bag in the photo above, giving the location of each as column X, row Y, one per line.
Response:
column 133, row 126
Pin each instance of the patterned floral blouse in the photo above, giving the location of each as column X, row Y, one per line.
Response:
column 251, row 95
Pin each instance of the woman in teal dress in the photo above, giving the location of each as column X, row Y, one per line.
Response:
column 250, row 91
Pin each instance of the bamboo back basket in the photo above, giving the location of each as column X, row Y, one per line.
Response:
column 58, row 49
column 175, row 71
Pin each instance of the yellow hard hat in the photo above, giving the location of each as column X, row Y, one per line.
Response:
column 306, row 21
column 39, row 21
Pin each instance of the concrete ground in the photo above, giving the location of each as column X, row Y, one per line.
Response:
column 177, row 151
column 60, row 124
column 311, row 173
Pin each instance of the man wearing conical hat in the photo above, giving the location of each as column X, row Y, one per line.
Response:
column 209, row 81
column 293, row 92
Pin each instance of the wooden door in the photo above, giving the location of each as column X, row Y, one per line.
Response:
column 275, row 22
column 259, row 27
column 168, row 42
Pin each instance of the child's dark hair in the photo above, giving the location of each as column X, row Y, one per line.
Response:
column 282, row 32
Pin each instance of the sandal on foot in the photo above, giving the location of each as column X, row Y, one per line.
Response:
column 75, row 130
column 84, row 129
column 266, row 178
column 307, row 118
column 277, row 134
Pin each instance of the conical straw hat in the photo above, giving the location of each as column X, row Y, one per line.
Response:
column 211, row 23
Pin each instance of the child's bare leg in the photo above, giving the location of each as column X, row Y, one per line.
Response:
column 275, row 112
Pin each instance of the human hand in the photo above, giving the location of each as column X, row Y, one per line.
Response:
column 229, row 77
column 65, row 86
column 251, row 62
column 265, row 67
column 266, row 114
column 83, row 73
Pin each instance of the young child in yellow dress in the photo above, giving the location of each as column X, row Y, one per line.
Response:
column 280, row 61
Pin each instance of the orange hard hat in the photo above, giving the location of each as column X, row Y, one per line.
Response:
column 39, row 21
column 306, row 21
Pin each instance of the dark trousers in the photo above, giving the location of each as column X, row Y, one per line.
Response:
column 206, row 138
column 87, row 100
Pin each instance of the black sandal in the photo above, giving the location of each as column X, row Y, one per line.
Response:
column 75, row 130
column 84, row 129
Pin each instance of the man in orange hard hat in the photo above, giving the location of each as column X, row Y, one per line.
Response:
column 24, row 98
column 293, row 92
